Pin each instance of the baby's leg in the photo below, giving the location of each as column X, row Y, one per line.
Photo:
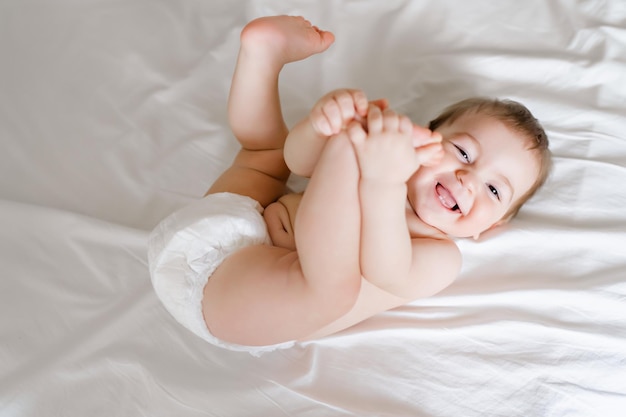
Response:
column 255, row 115
column 264, row 294
column 267, row 44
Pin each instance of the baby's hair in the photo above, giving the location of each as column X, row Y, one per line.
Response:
column 517, row 118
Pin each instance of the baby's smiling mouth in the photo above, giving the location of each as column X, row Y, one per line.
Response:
column 446, row 198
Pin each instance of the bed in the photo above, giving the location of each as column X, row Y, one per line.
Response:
column 113, row 115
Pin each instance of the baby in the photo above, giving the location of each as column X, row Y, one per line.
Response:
column 374, row 228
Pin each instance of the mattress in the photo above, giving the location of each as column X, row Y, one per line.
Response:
column 113, row 115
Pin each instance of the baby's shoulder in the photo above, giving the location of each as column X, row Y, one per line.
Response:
column 436, row 264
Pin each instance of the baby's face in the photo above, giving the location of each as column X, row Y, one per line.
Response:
column 280, row 218
column 485, row 169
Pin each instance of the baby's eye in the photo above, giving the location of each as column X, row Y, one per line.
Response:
column 494, row 191
column 463, row 154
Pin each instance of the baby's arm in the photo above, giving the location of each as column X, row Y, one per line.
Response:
column 329, row 116
column 390, row 257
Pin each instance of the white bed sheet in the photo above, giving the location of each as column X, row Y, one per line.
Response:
column 112, row 115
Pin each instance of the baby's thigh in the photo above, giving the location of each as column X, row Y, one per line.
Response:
column 259, row 296
column 261, row 175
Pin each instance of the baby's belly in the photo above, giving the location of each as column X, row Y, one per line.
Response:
column 372, row 300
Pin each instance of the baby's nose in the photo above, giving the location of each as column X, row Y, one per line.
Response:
column 467, row 179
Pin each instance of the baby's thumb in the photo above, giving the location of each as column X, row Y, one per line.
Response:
column 381, row 103
column 423, row 136
column 430, row 154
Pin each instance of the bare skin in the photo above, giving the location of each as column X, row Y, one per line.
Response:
column 268, row 294
column 361, row 246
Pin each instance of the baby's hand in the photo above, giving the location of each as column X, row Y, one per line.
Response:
column 337, row 109
column 392, row 148
column 428, row 144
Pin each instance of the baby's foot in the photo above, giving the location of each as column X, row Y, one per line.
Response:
column 284, row 39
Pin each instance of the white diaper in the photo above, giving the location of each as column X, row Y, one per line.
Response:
column 187, row 246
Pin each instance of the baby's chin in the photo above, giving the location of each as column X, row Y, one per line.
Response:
column 475, row 234
column 450, row 231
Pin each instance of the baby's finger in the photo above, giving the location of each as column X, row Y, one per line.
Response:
column 347, row 105
column 406, row 125
column 360, row 102
column 423, row 136
column 391, row 121
column 374, row 119
column 436, row 137
column 430, row 154
column 333, row 114
column 381, row 103
column 320, row 122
